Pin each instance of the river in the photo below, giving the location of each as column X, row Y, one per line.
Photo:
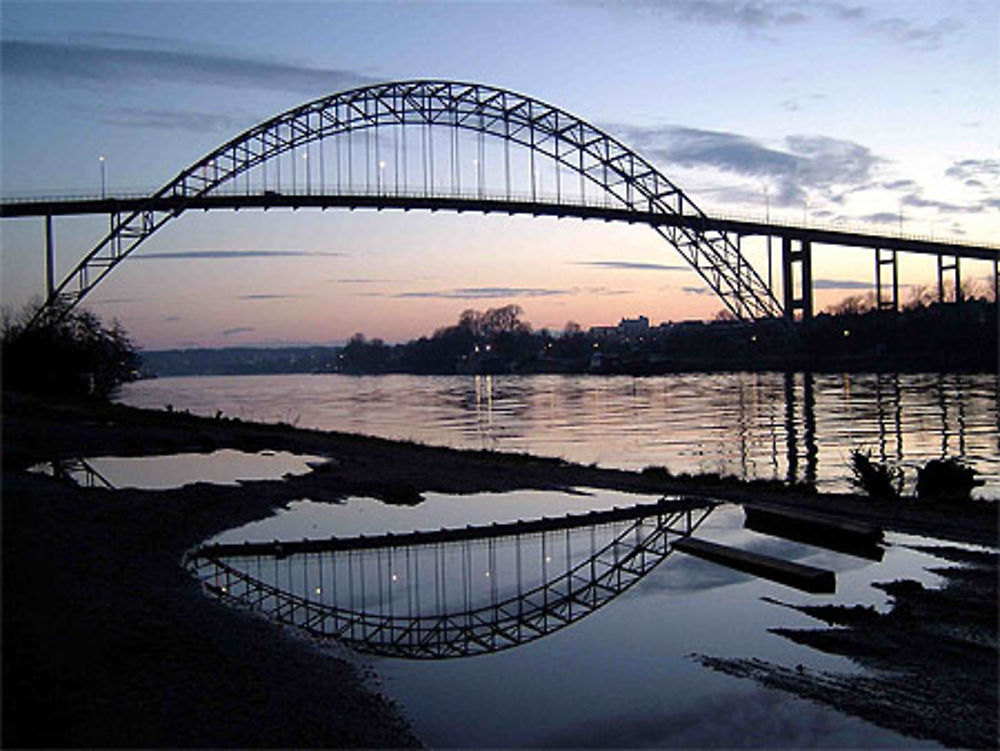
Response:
column 799, row 427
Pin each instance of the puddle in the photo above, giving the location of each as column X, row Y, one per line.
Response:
column 223, row 467
column 620, row 674
column 367, row 516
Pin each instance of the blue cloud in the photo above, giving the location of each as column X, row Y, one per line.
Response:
column 113, row 60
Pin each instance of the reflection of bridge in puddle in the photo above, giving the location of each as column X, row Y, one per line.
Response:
column 75, row 471
column 452, row 592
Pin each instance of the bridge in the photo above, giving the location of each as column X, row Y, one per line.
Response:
column 467, row 147
column 450, row 592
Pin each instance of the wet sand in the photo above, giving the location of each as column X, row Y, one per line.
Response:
column 108, row 641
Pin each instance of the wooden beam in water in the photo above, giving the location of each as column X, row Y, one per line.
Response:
column 797, row 575
column 814, row 528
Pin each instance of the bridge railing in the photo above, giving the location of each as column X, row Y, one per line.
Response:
column 853, row 227
column 129, row 194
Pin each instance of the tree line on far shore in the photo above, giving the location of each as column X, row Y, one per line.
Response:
column 850, row 336
column 74, row 352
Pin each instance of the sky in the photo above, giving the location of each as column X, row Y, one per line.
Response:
column 881, row 115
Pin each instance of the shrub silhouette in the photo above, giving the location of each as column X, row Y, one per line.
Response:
column 74, row 354
column 946, row 480
column 880, row 480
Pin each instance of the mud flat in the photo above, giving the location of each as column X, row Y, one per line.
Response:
column 108, row 642
column 931, row 661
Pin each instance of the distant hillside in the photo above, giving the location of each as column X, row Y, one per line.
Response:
column 238, row 361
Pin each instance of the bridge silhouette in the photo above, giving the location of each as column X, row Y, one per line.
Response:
column 467, row 147
column 451, row 592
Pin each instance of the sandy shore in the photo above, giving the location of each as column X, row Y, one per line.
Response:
column 108, row 642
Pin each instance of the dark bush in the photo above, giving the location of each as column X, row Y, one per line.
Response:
column 75, row 353
column 880, row 480
column 946, row 480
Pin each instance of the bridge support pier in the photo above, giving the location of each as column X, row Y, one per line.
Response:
column 944, row 266
column 50, row 282
column 796, row 262
column 886, row 258
column 996, row 286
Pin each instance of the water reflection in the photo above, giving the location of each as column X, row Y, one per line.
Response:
column 619, row 664
column 453, row 592
column 74, row 471
column 791, row 427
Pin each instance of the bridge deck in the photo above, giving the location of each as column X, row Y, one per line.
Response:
column 741, row 227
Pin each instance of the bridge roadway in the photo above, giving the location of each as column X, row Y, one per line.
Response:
column 10, row 208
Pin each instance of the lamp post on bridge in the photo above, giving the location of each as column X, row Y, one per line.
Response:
column 103, row 162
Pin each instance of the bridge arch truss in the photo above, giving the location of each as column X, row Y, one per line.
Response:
column 496, row 598
column 599, row 161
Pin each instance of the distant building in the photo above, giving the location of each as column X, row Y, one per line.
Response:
column 633, row 328
column 603, row 332
column 627, row 328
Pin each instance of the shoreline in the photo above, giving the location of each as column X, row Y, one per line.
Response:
column 109, row 642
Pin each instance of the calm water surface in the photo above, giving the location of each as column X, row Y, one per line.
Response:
column 767, row 425
column 621, row 676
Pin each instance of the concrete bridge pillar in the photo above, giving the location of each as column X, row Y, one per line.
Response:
column 796, row 261
column 945, row 264
column 886, row 258
column 50, row 283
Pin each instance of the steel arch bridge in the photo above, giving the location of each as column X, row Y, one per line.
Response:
column 452, row 592
column 608, row 173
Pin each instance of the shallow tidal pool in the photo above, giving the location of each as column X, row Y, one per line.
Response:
column 622, row 675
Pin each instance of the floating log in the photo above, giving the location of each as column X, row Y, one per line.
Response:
column 797, row 575
column 815, row 528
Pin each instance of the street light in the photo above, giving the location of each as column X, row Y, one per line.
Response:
column 305, row 165
column 381, row 166
column 103, row 162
